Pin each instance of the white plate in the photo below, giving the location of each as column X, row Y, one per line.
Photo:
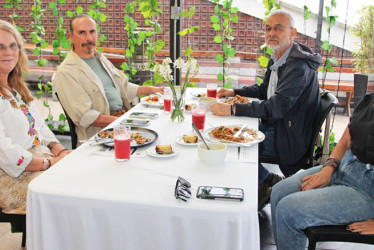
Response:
column 223, row 100
column 152, row 152
column 160, row 102
column 230, row 143
column 180, row 141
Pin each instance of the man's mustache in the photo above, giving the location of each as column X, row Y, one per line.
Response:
column 89, row 43
column 272, row 38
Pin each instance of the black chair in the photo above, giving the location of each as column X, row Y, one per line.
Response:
column 335, row 233
column 19, row 219
column 73, row 133
column 360, row 88
column 328, row 101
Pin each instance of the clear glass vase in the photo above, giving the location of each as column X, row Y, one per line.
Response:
column 177, row 113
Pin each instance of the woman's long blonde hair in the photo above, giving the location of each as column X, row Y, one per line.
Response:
column 15, row 77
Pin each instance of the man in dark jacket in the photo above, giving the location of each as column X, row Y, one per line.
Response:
column 290, row 103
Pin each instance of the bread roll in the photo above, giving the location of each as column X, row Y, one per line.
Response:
column 164, row 149
column 190, row 138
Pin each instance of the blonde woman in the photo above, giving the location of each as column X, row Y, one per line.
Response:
column 27, row 146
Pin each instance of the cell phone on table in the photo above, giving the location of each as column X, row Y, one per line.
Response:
column 133, row 122
column 146, row 115
column 211, row 192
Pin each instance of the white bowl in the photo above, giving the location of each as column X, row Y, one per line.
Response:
column 215, row 155
column 207, row 101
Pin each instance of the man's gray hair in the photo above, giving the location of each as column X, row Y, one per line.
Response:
column 282, row 12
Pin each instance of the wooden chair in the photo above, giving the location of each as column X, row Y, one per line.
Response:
column 335, row 233
column 328, row 101
column 73, row 133
column 16, row 218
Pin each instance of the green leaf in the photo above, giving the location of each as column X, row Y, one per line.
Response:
column 183, row 32
column 62, row 117
column 227, row 86
column 44, row 45
column 217, row 39
column 219, row 58
column 124, row 66
column 193, row 29
column 20, row 29
column 263, row 61
column 42, row 62
column 36, row 51
column 128, row 53
column 103, row 18
column 52, row 5
column 214, row 19
column 50, row 126
column 234, row 10
column 188, row 51
column 220, row 77
column 46, row 104
column 216, row 27
column 70, row 14
column 158, row 78
column 79, row 10
column 231, row 52
column 8, row 6
column 235, row 18
column 192, row 11
column 326, row 45
column 184, row 13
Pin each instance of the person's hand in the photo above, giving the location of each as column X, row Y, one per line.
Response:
column 362, row 227
column 222, row 92
column 61, row 156
column 317, row 180
column 158, row 90
column 220, row 109
column 65, row 152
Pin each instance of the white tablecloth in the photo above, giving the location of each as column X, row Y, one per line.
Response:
column 90, row 201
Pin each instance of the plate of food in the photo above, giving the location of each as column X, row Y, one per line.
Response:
column 198, row 95
column 162, row 151
column 225, row 134
column 152, row 101
column 188, row 140
column 188, row 107
column 235, row 99
column 140, row 137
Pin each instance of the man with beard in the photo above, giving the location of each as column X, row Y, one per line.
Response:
column 290, row 101
column 92, row 91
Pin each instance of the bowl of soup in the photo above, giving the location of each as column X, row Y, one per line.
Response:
column 216, row 155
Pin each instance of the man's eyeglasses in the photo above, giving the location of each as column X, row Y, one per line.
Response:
column 277, row 29
column 13, row 47
column 182, row 189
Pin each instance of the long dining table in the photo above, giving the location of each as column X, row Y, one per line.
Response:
column 88, row 200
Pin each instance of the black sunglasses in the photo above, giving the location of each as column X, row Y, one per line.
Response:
column 182, row 189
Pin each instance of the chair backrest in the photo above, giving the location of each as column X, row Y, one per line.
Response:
column 360, row 88
column 328, row 101
column 73, row 133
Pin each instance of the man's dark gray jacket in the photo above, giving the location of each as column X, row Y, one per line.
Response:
column 293, row 109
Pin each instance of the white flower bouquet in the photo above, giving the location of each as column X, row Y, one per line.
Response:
column 192, row 69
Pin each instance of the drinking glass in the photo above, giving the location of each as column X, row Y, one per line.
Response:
column 211, row 90
column 168, row 96
column 122, row 142
column 198, row 115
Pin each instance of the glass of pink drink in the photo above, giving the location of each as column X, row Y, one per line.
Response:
column 122, row 142
column 211, row 90
column 198, row 115
column 167, row 99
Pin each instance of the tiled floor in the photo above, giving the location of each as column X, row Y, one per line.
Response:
column 10, row 241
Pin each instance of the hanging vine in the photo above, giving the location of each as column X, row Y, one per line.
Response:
column 14, row 4
column 331, row 20
column 221, row 22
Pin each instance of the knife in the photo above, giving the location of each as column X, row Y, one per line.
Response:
column 240, row 130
